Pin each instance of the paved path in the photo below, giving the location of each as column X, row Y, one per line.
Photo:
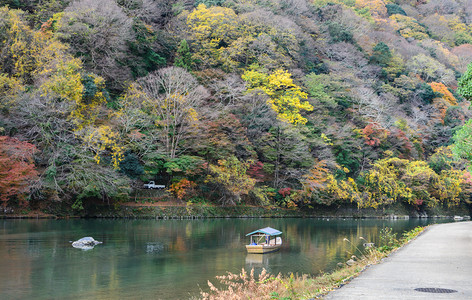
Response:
column 439, row 258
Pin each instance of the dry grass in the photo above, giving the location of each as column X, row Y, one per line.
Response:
column 266, row 286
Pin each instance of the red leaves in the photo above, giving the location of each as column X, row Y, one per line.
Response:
column 17, row 169
column 373, row 134
column 285, row 192
column 256, row 171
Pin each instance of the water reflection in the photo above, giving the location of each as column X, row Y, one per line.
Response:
column 164, row 259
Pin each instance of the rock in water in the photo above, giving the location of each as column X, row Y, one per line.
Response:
column 85, row 243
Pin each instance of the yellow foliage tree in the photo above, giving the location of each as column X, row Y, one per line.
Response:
column 220, row 38
column 212, row 29
column 423, row 183
column 37, row 57
column 10, row 87
column 382, row 185
column 101, row 139
column 408, row 27
column 376, row 7
column 231, row 175
column 322, row 187
column 284, row 96
column 439, row 87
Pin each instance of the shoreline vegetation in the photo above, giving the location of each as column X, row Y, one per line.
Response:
column 247, row 285
column 182, row 210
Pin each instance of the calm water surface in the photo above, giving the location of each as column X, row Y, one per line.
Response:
column 163, row 259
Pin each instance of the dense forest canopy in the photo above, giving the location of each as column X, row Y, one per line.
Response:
column 294, row 103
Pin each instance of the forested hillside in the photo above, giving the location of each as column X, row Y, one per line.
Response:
column 293, row 103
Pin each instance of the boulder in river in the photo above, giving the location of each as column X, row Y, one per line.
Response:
column 85, row 243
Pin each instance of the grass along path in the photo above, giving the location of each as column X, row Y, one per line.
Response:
column 266, row 286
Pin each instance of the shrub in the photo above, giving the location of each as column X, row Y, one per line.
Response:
column 394, row 9
column 209, row 3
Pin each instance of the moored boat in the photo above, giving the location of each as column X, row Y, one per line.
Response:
column 264, row 240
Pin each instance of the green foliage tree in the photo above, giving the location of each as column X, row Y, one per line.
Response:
column 381, row 54
column 339, row 33
column 394, row 9
column 143, row 56
column 317, row 87
column 465, row 84
column 462, row 147
column 131, row 166
column 183, row 58
column 88, row 181
column 209, row 3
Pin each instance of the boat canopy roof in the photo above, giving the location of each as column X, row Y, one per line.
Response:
column 267, row 230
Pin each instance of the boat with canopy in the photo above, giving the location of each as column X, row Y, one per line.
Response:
column 264, row 240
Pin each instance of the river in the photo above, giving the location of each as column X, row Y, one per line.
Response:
column 164, row 259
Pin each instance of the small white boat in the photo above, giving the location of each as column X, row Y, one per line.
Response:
column 264, row 240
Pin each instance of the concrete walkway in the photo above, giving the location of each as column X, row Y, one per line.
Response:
column 439, row 258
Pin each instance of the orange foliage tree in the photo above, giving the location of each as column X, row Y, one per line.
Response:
column 443, row 103
column 183, row 189
column 17, row 169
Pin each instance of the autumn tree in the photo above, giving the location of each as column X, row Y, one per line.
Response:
column 409, row 27
column 218, row 37
column 86, row 94
column 27, row 54
column 423, row 183
column 285, row 97
column 19, row 47
column 17, row 169
column 382, row 185
column 285, row 154
column 221, row 137
column 230, row 176
column 430, row 69
column 101, row 139
column 445, row 101
column 88, row 181
column 171, row 98
column 98, row 32
column 376, row 7
column 212, row 31
column 10, row 89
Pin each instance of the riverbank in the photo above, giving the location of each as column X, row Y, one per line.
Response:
column 182, row 210
column 249, row 286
